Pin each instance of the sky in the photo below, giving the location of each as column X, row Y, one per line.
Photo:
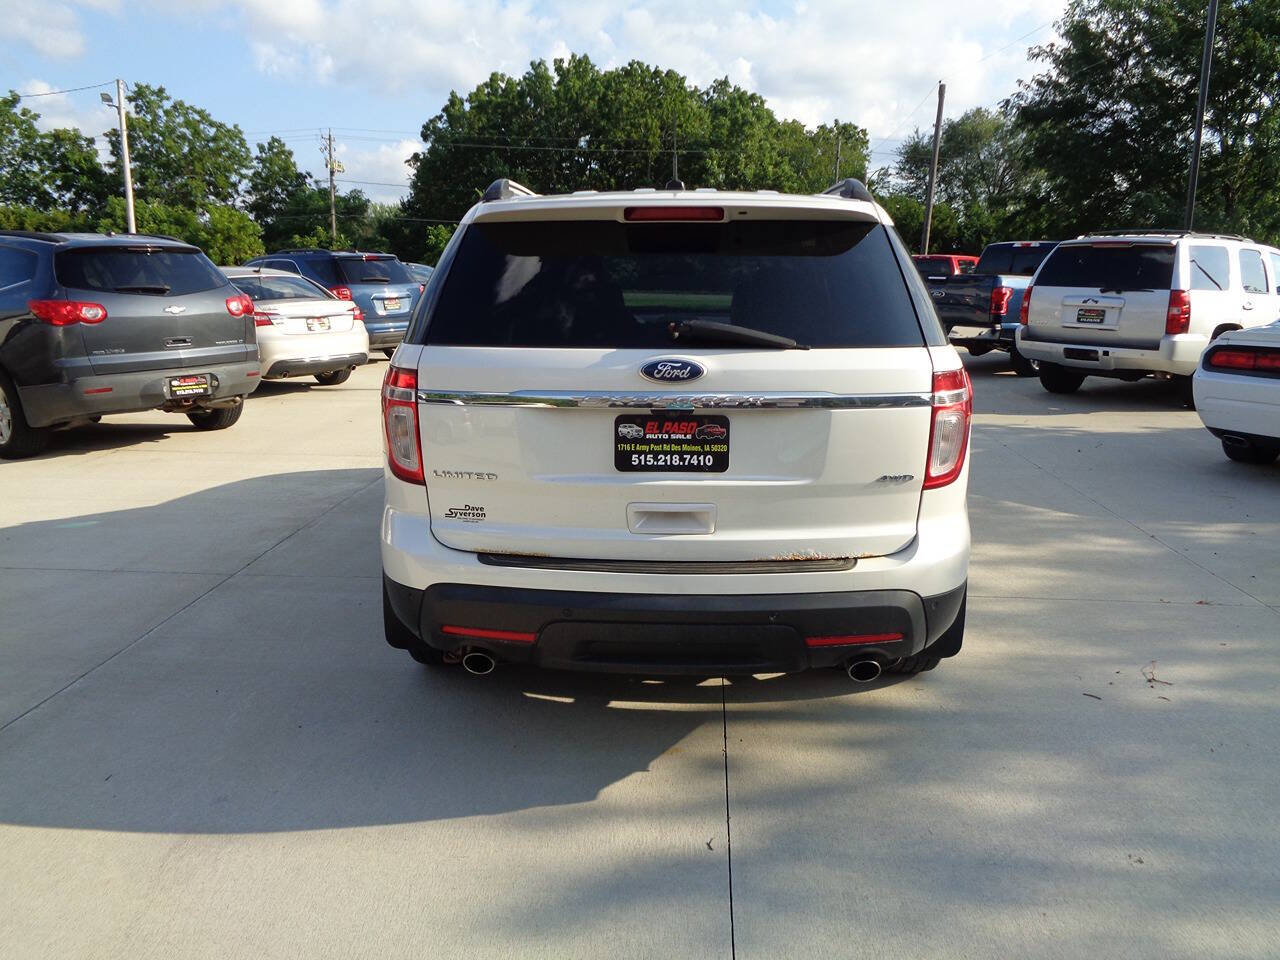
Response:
column 375, row 70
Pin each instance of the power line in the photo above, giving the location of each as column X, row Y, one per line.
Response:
column 53, row 93
column 1013, row 42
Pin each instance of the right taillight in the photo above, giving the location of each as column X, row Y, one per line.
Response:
column 64, row 313
column 400, row 420
column 261, row 319
column 949, row 429
column 342, row 293
column 1000, row 297
column 1025, row 308
column 1178, row 319
column 1261, row 359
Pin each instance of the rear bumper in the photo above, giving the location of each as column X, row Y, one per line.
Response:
column 93, row 396
column 1178, row 355
column 675, row 634
column 302, row 366
column 994, row 337
column 1238, row 405
column 385, row 333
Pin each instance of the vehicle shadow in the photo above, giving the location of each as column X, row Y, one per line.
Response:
column 1026, row 395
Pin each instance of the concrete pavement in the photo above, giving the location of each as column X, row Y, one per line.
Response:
column 206, row 750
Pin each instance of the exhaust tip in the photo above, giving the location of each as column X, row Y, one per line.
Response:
column 479, row 663
column 863, row 671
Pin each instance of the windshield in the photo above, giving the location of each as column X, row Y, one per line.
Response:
column 609, row 284
column 1110, row 267
column 162, row 271
column 1012, row 260
column 260, row 288
column 374, row 270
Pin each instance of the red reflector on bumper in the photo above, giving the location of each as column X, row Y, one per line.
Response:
column 480, row 634
column 98, row 390
column 851, row 639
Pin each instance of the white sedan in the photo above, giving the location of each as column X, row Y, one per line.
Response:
column 303, row 329
column 1237, row 392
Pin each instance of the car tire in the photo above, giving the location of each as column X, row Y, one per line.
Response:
column 18, row 439
column 978, row 351
column 1186, row 392
column 333, row 377
column 398, row 635
column 1023, row 366
column 910, row 666
column 218, row 419
column 1251, row 453
column 1059, row 379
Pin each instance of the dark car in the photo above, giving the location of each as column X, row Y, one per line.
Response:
column 94, row 324
column 711, row 431
column 379, row 284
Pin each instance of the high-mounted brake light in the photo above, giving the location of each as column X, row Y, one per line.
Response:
column 1259, row 359
column 1000, row 297
column 949, row 429
column 651, row 214
column 64, row 313
column 1178, row 319
column 400, row 421
column 342, row 293
column 240, row 306
column 1024, row 308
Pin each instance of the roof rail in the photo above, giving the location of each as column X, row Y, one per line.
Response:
column 849, row 189
column 1159, row 232
column 32, row 235
column 276, row 253
column 505, row 189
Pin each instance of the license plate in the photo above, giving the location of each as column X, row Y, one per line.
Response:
column 671, row 443
column 391, row 303
column 317, row 324
column 193, row 385
column 1091, row 315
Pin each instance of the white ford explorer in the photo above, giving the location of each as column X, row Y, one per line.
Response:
column 676, row 432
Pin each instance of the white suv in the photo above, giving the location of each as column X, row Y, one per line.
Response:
column 676, row 432
column 1134, row 304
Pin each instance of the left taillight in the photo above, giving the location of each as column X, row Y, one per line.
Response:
column 1253, row 359
column 400, row 421
column 1000, row 297
column 240, row 305
column 261, row 319
column 949, row 429
column 64, row 313
column 1178, row 317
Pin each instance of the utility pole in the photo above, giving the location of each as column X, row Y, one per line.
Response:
column 333, row 166
column 124, row 152
column 838, row 145
column 933, row 171
column 1206, row 61
column 675, row 156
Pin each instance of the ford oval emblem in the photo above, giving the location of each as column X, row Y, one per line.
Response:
column 672, row 370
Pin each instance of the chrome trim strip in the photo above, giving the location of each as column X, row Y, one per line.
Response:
column 631, row 400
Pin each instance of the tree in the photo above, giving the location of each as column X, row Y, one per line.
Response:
column 571, row 126
column 56, row 169
column 1108, row 125
column 225, row 234
column 274, row 182
column 180, row 155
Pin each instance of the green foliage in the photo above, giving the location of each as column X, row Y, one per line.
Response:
column 48, row 221
column 274, row 182
column 1108, row 126
column 226, row 234
column 179, row 154
column 571, row 126
column 437, row 237
column 56, row 169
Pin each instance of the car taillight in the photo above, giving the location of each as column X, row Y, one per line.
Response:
column 400, row 419
column 357, row 313
column 422, row 288
column 949, row 429
column 63, row 313
column 1025, row 308
column 1243, row 358
column 1178, row 319
column 342, row 293
column 264, row 319
column 1000, row 297
column 240, row 306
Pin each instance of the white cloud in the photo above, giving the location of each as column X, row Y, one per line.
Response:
column 379, row 172
column 52, row 29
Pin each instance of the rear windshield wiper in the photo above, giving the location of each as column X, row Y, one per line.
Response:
column 373, row 280
column 710, row 330
column 1125, row 290
column 144, row 288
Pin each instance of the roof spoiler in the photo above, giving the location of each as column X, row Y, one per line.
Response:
column 849, row 189
column 505, row 189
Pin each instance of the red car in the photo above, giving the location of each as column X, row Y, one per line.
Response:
column 711, row 431
column 944, row 264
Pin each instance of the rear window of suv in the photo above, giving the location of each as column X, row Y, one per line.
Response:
column 374, row 270
column 162, row 271
column 1117, row 267
column 588, row 283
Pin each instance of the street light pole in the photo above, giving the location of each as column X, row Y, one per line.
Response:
column 131, row 223
column 1206, row 61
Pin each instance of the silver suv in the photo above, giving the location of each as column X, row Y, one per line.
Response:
column 676, row 432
